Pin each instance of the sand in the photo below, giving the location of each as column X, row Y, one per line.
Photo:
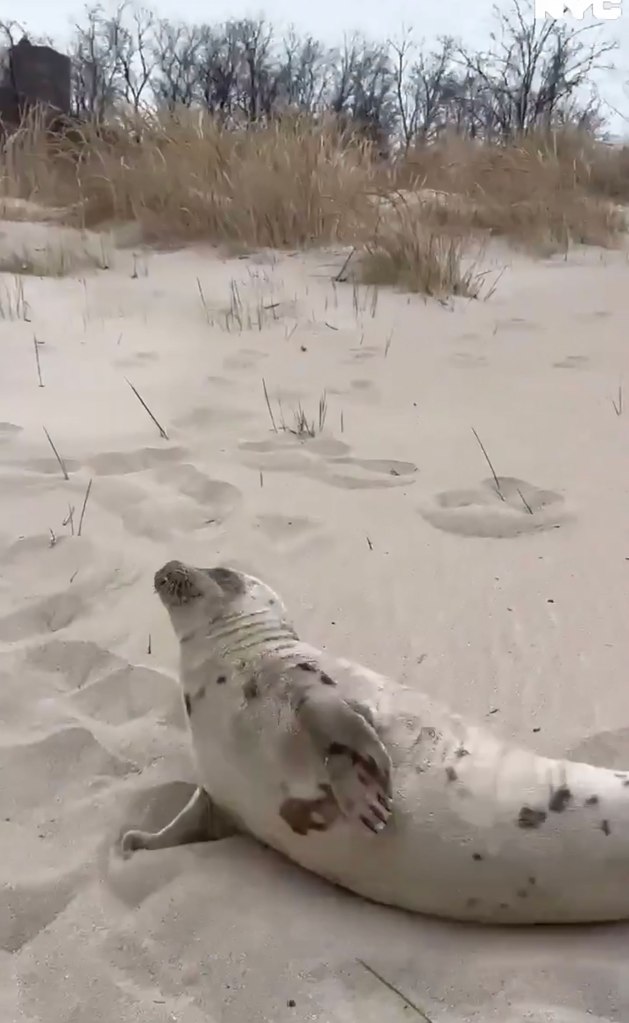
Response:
column 387, row 545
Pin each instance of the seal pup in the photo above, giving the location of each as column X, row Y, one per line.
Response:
column 372, row 785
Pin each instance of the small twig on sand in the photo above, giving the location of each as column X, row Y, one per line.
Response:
column 69, row 520
column 618, row 405
column 340, row 277
column 145, row 406
column 203, row 302
column 53, row 537
column 62, row 465
column 87, row 494
column 392, row 987
column 268, row 405
column 261, row 478
column 488, row 460
column 36, row 346
column 149, row 648
column 525, row 502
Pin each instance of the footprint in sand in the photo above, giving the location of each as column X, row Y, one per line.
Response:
column 46, row 769
column 605, row 749
column 128, row 693
column 327, row 460
column 468, row 360
column 122, row 463
column 27, row 908
column 50, row 466
column 482, row 511
column 8, row 431
column 285, row 532
column 362, row 391
column 171, row 497
column 71, row 663
column 101, row 685
column 362, row 353
column 51, row 614
column 215, row 417
column 245, row 358
column 571, row 362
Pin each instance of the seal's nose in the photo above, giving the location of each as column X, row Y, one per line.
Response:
column 165, row 574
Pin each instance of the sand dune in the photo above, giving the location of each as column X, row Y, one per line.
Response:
column 386, row 541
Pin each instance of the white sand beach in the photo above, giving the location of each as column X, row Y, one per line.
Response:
column 387, row 544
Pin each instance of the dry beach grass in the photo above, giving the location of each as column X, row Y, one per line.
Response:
column 298, row 183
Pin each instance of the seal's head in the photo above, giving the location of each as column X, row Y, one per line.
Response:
column 196, row 597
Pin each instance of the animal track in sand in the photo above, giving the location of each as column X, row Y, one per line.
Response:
column 362, row 391
column 102, row 685
column 246, row 358
column 214, row 416
column 50, row 614
column 571, row 362
column 130, row 692
column 327, row 460
column 284, row 531
column 468, row 360
column 120, row 463
column 516, row 323
column 72, row 663
column 173, row 498
column 480, row 511
column 362, row 353
column 8, row 431
column 27, row 908
column 50, row 466
column 604, row 749
column 38, row 772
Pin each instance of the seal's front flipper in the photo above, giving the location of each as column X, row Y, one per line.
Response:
column 358, row 765
column 199, row 821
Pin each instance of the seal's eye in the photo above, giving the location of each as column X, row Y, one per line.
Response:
column 231, row 583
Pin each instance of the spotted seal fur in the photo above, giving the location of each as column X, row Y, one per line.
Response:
column 369, row 783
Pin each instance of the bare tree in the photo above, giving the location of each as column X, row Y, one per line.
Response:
column 175, row 52
column 136, row 57
column 425, row 86
column 534, row 73
column 303, row 73
column 363, row 87
column 534, row 68
column 95, row 62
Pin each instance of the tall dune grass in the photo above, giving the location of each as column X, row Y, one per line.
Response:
column 297, row 182
column 543, row 193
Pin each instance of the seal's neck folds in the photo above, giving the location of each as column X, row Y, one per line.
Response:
column 246, row 635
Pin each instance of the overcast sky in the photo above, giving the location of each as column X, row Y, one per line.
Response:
column 469, row 20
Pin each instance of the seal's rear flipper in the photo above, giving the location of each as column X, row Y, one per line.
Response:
column 199, row 821
column 358, row 765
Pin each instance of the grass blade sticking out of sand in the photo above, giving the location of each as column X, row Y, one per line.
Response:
column 489, row 463
column 60, row 460
column 387, row 983
column 268, row 405
column 85, row 500
column 159, row 426
column 36, row 346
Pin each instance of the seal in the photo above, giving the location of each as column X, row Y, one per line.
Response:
column 371, row 784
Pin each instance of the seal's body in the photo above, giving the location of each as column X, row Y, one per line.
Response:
column 368, row 783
